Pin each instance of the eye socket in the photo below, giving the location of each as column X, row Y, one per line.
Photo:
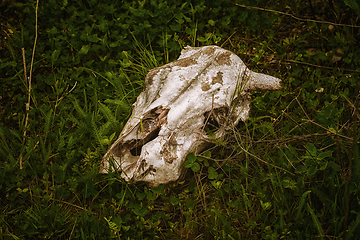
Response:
column 217, row 118
column 211, row 124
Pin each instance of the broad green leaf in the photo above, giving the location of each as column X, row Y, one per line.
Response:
column 151, row 196
column 112, row 136
column 323, row 155
column 265, row 205
column 206, row 162
column 288, row 183
column 309, row 162
column 174, row 200
column 195, row 167
column 55, row 55
column 312, row 170
column 176, row 27
column 140, row 195
column 189, row 203
column 216, row 184
column 300, row 169
column 142, row 211
column 93, row 38
column 237, row 204
column 84, row 49
column 206, row 38
column 211, row 22
column 323, row 164
column 212, row 173
column 114, row 44
column 188, row 164
column 103, row 58
column 159, row 190
column 191, row 157
column 311, row 148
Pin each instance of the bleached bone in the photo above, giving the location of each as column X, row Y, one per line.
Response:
column 169, row 117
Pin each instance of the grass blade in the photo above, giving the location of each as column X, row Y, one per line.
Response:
column 301, row 204
column 316, row 221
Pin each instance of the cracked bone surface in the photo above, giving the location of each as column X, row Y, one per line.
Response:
column 206, row 84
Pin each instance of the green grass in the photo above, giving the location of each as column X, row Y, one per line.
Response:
column 292, row 171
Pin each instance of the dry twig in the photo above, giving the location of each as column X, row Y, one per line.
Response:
column 29, row 80
column 297, row 18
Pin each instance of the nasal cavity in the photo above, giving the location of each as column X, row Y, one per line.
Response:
column 136, row 148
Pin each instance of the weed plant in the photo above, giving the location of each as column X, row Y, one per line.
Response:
column 70, row 70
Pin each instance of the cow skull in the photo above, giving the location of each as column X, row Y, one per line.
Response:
column 169, row 117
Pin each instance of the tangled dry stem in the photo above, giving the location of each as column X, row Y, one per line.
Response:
column 29, row 80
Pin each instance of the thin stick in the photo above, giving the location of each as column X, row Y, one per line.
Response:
column 29, row 80
column 330, row 131
column 27, row 106
column 24, row 62
column 297, row 18
column 33, row 53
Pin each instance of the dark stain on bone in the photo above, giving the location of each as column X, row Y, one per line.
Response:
column 185, row 62
column 167, row 151
column 116, row 151
column 205, row 86
column 150, row 170
column 217, row 78
column 143, row 165
column 224, row 58
column 170, row 160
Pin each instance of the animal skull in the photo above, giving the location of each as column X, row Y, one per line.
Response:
column 169, row 117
